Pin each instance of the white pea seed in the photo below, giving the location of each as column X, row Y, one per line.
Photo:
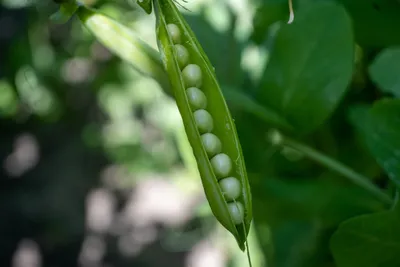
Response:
column 197, row 99
column 237, row 211
column 182, row 55
column 211, row 144
column 230, row 187
column 222, row 165
column 174, row 32
column 192, row 76
column 204, row 121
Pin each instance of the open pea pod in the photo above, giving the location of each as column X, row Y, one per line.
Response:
column 207, row 120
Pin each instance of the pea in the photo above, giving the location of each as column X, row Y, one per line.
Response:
column 211, row 144
column 230, row 187
column 192, row 76
column 222, row 165
column 182, row 55
column 237, row 212
column 204, row 121
column 197, row 99
column 174, row 33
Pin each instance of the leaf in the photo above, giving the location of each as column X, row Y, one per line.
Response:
column 385, row 71
column 383, row 136
column 246, row 103
column 65, row 12
column 310, row 66
column 308, row 199
column 269, row 12
column 376, row 23
column 296, row 243
column 368, row 240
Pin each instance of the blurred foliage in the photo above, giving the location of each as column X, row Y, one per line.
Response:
column 329, row 80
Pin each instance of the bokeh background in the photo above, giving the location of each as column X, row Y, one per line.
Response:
column 96, row 169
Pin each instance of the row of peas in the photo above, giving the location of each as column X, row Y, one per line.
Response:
column 220, row 162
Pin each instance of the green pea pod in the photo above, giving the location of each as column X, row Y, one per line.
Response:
column 222, row 128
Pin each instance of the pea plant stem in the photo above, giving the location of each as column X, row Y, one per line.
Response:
column 338, row 167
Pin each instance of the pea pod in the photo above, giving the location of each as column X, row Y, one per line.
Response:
column 207, row 120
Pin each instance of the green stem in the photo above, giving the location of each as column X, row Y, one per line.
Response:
column 332, row 164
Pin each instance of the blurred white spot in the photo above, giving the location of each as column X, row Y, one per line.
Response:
column 254, row 60
column 24, row 157
column 145, row 235
column 27, row 255
column 100, row 206
column 93, row 250
column 114, row 176
column 157, row 200
column 77, row 70
column 129, row 246
column 204, row 254
column 100, row 52
column 131, row 243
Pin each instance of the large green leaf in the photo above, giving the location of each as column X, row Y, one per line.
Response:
column 385, row 71
column 368, row 241
column 376, row 23
column 383, row 136
column 296, row 244
column 269, row 12
column 310, row 66
column 308, row 199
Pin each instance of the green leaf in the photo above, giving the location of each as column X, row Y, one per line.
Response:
column 308, row 199
column 146, row 5
column 269, row 12
column 383, row 136
column 296, row 243
column 376, row 23
column 385, row 71
column 368, row 240
column 246, row 103
column 65, row 12
column 310, row 66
